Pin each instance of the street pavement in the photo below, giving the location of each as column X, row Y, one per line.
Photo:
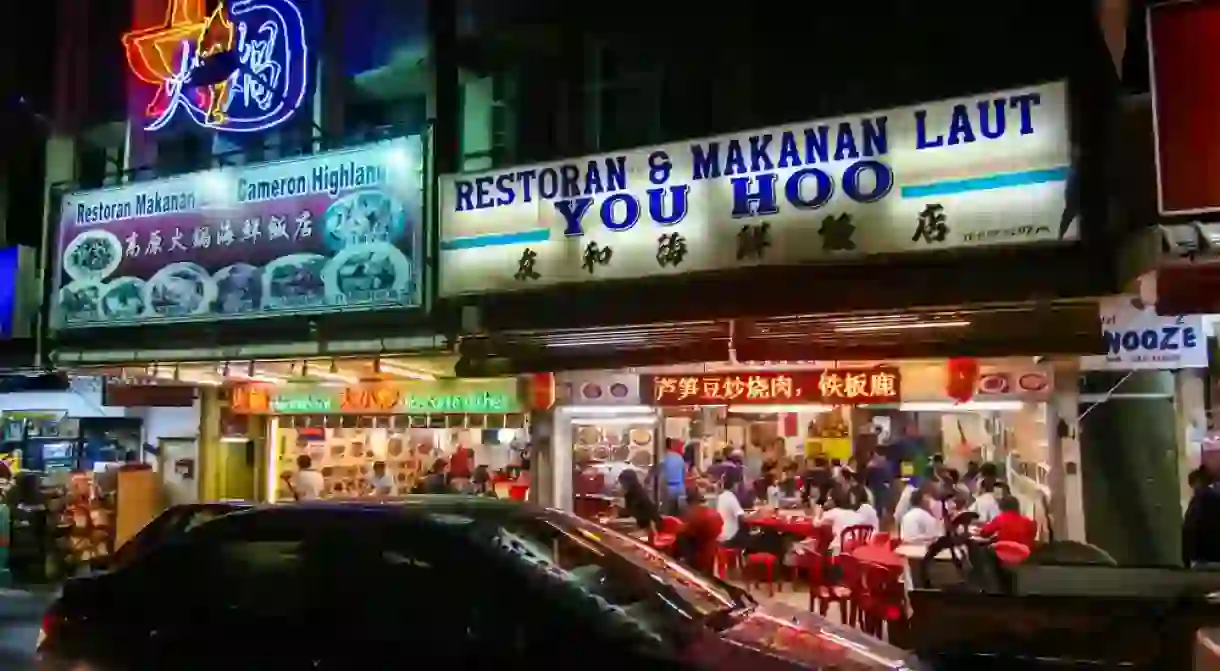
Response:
column 20, row 617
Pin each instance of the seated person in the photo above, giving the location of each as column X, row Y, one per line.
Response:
column 919, row 525
column 734, row 533
column 842, row 513
column 697, row 542
column 986, row 504
column 1011, row 525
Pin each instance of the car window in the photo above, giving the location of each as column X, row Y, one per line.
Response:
column 150, row 536
column 203, row 515
column 699, row 595
column 260, row 564
column 589, row 580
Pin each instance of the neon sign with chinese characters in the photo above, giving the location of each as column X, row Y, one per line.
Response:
column 831, row 386
column 242, row 68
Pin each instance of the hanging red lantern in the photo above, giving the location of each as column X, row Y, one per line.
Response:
column 963, row 379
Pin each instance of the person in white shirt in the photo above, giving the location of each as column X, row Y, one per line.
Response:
column 306, row 484
column 869, row 515
column 985, row 505
column 919, row 526
column 734, row 532
column 381, row 481
column 842, row 514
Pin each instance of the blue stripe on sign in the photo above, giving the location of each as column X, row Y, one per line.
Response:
column 998, row 181
column 497, row 239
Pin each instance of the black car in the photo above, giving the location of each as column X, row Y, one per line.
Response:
column 465, row 582
column 171, row 524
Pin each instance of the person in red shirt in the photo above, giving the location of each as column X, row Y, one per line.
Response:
column 699, row 538
column 1011, row 525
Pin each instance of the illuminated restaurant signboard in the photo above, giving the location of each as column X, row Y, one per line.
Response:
column 831, row 386
column 380, row 398
column 983, row 171
column 336, row 231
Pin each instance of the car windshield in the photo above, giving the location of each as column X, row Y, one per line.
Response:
column 700, row 596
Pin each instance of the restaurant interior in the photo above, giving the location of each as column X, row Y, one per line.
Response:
column 1003, row 422
column 965, row 411
column 330, row 409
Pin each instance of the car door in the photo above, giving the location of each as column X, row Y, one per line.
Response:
column 234, row 590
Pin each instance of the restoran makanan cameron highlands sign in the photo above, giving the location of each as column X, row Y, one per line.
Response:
column 243, row 67
column 990, row 169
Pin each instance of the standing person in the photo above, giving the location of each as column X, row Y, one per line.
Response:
column 919, row 525
column 1011, row 525
column 877, row 478
column 306, row 484
column 637, row 504
column 673, row 471
column 1201, row 526
column 461, row 466
column 734, row 532
column 697, row 542
column 381, row 482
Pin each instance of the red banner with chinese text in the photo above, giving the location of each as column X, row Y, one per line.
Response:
column 832, row 386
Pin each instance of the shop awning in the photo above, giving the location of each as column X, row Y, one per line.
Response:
column 988, row 330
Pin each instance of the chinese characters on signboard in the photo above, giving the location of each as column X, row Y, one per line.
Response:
column 243, row 67
column 831, row 386
column 334, row 231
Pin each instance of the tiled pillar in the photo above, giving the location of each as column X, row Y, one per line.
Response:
column 1063, row 451
column 209, row 467
column 545, row 486
column 1190, row 405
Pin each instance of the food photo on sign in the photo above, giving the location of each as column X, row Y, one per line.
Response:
column 340, row 230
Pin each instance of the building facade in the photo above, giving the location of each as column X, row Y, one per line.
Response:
column 565, row 194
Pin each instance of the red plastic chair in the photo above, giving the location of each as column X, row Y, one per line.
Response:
column 853, row 537
column 852, row 581
column 764, row 563
column 882, row 600
column 880, row 538
column 518, row 492
column 821, row 592
column 670, row 525
column 727, row 558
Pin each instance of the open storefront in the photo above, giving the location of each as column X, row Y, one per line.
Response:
column 346, row 428
column 908, row 411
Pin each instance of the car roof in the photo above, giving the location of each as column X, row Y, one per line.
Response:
column 414, row 504
column 211, row 505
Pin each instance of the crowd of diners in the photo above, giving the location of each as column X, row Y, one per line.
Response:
column 715, row 504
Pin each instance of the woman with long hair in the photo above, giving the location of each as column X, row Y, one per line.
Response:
column 636, row 502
